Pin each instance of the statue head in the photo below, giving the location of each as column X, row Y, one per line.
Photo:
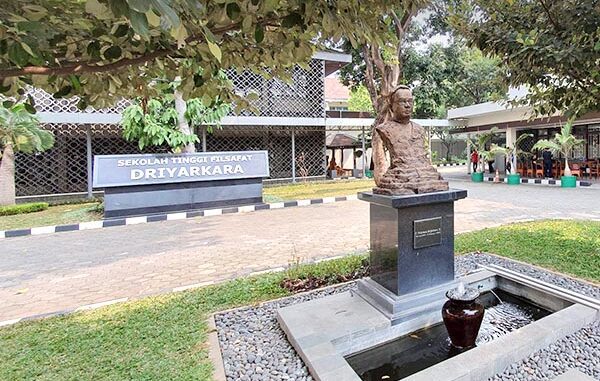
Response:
column 401, row 103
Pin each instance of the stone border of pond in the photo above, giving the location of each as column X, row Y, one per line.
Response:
column 254, row 347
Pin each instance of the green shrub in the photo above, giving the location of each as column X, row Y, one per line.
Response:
column 23, row 208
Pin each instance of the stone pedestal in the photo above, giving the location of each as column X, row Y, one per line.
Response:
column 412, row 252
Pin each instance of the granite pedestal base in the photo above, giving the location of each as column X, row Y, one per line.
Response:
column 403, row 308
column 412, row 252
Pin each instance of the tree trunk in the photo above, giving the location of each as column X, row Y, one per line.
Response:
column 390, row 74
column 7, row 176
column 567, row 169
column 182, row 123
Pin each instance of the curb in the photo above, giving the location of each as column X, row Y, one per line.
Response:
column 451, row 165
column 541, row 181
column 169, row 217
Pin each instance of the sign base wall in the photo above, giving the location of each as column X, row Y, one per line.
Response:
column 127, row 201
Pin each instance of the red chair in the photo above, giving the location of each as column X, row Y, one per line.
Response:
column 576, row 169
column 528, row 169
column 594, row 166
column 556, row 168
column 539, row 170
column 520, row 169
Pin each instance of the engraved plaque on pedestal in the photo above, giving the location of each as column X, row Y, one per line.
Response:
column 427, row 232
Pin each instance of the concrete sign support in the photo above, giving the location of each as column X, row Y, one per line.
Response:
column 142, row 184
column 203, row 138
column 88, row 141
column 293, row 155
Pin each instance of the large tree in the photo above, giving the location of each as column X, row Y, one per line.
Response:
column 553, row 47
column 442, row 76
column 452, row 76
column 103, row 49
column 19, row 132
column 379, row 65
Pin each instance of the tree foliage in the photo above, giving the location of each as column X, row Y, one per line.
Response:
column 448, row 140
column 157, row 124
column 378, row 65
column 443, row 77
column 359, row 100
column 19, row 132
column 553, row 47
column 103, row 49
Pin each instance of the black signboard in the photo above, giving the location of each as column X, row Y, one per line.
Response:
column 428, row 232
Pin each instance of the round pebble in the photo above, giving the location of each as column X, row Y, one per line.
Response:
column 255, row 348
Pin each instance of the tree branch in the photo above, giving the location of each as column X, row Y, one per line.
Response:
column 377, row 59
column 82, row 68
column 93, row 67
column 554, row 23
column 467, row 89
column 370, row 77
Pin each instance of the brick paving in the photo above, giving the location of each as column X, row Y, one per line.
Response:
column 43, row 274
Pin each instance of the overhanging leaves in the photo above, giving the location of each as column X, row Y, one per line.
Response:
column 137, row 41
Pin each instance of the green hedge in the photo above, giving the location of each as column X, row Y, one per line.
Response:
column 23, row 208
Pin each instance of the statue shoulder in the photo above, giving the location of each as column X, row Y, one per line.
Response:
column 417, row 126
column 388, row 124
column 417, row 129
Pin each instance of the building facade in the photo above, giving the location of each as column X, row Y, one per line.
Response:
column 512, row 122
column 290, row 125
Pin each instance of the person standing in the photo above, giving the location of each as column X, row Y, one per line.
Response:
column 547, row 158
column 474, row 159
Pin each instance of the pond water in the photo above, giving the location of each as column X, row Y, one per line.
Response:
column 421, row 349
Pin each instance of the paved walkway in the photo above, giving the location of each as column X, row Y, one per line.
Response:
column 43, row 274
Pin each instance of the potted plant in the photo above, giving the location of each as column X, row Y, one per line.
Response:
column 563, row 143
column 479, row 144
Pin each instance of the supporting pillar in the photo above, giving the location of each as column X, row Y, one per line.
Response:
column 203, row 138
column 469, row 164
column 511, row 139
column 293, row 154
column 511, row 136
column 586, row 145
column 364, row 155
column 88, row 141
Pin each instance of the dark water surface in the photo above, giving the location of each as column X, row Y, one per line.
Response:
column 421, row 349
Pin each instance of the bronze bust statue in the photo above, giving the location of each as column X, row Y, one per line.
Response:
column 410, row 170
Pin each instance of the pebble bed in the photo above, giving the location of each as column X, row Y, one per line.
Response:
column 255, row 348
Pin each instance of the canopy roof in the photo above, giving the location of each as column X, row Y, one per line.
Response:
column 342, row 141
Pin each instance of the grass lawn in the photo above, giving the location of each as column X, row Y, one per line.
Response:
column 164, row 338
column 570, row 247
column 75, row 213
column 158, row 338
column 54, row 215
column 319, row 189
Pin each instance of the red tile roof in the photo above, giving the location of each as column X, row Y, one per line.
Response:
column 335, row 90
